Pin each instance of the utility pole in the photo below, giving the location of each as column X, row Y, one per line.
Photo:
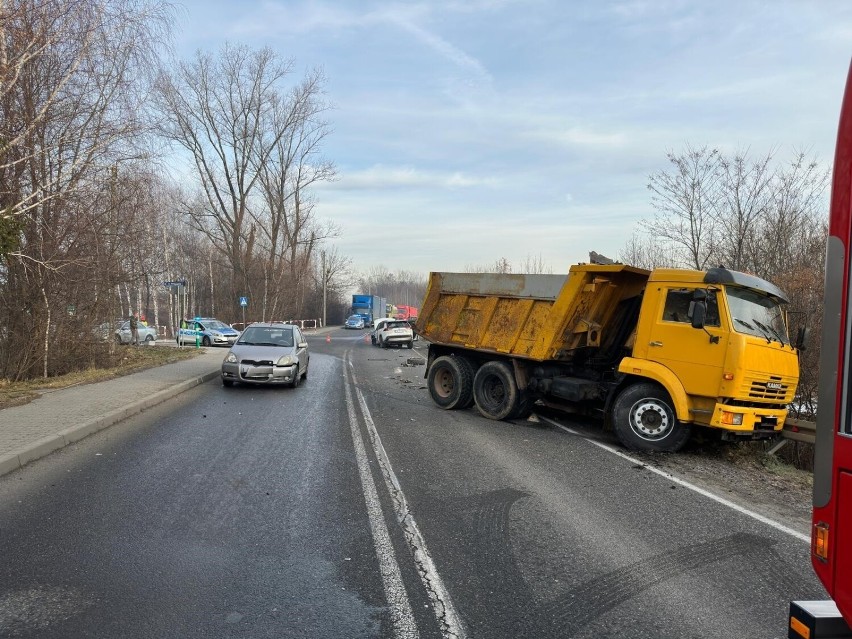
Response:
column 324, row 285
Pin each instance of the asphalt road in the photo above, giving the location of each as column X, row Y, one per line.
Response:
column 353, row 507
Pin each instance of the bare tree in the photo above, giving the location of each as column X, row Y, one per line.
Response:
column 290, row 234
column 744, row 197
column 73, row 75
column 684, row 200
column 645, row 251
column 227, row 111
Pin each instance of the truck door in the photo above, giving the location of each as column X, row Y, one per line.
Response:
column 695, row 355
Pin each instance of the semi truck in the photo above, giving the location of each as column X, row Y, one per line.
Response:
column 406, row 312
column 652, row 353
column 369, row 307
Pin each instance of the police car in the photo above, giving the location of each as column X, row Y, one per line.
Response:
column 207, row 331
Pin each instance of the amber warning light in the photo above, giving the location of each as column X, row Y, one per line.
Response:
column 820, row 541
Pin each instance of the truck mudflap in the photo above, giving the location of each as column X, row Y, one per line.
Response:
column 816, row 620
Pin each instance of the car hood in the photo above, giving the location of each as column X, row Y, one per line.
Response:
column 262, row 353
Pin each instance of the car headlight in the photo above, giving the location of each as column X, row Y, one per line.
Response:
column 285, row 361
column 231, row 358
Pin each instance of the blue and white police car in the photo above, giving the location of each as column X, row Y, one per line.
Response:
column 207, row 331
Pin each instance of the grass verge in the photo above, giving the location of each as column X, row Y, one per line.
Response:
column 124, row 361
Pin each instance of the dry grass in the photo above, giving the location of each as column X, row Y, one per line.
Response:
column 125, row 361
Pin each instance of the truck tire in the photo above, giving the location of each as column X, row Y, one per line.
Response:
column 450, row 382
column 644, row 420
column 525, row 405
column 495, row 392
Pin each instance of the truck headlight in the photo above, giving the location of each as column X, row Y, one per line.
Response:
column 285, row 361
column 732, row 419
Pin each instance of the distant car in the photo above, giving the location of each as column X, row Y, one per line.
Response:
column 354, row 321
column 395, row 332
column 376, row 326
column 209, row 331
column 143, row 333
column 267, row 353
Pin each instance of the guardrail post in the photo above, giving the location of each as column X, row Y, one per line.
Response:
column 781, row 443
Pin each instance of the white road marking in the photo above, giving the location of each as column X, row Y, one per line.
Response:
column 442, row 604
column 686, row 484
column 402, row 616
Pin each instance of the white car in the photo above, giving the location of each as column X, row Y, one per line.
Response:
column 394, row 332
column 376, row 326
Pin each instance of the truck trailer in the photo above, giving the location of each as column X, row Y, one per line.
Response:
column 651, row 352
column 369, row 307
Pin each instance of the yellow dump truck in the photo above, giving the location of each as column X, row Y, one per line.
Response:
column 651, row 352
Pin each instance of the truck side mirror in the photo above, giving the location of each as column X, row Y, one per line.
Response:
column 698, row 308
column 697, row 313
column 801, row 338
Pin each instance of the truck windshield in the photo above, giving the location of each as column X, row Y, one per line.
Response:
column 757, row 314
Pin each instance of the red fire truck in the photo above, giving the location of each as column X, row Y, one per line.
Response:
column 831, row 535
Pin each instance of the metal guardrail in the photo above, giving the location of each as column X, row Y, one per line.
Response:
column 797, row 430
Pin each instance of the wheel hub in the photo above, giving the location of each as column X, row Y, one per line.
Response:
column 650, row 420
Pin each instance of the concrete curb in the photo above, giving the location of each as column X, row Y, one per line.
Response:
column 52, row 443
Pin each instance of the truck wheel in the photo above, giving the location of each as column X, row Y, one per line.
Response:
column 644, row 419
column 525, row 405
column 450, row 382
column 494, row 390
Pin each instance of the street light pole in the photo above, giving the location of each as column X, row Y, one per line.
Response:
column 324, row 283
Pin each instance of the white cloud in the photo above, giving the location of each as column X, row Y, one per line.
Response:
column 383, row 178
column 465, row 131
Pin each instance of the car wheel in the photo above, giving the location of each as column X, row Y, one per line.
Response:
column 305, row 374
column 205, row 341
column 495, row 392
column 450, row 382
column 382, row 343
column 118, row 339
column 296, row 377
column 411, row 344
column 149, row 338
column 227, row 382
column 644, row 419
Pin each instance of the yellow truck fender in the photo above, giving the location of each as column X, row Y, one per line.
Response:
column 664, row 377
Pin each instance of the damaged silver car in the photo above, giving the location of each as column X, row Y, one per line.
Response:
column 267, row 353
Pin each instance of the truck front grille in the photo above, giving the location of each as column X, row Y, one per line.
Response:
column 772, row 389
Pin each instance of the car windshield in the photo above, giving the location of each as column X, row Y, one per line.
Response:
column 215, row 324
column 266, row 336
column 397, row 325
column 754, row 313
column 354, row 318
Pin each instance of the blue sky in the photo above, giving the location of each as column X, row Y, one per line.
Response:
column 468, row 131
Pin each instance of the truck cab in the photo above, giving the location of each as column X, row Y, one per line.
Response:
column 718, row 342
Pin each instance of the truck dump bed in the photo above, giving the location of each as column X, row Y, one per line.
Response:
column 538, row 317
